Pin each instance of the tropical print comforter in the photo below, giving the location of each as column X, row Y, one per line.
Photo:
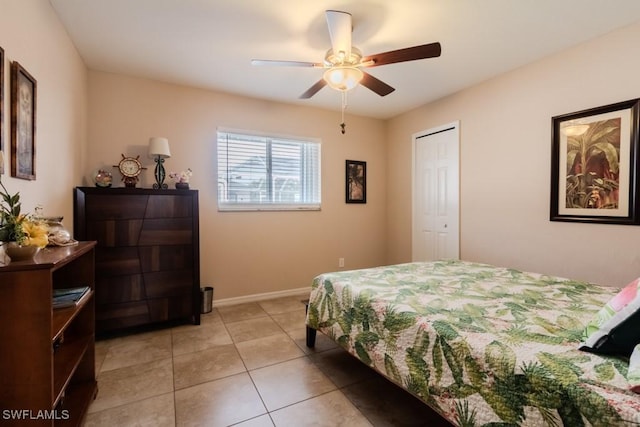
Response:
column 482, row 345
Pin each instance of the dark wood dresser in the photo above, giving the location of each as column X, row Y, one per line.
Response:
column 147, row 257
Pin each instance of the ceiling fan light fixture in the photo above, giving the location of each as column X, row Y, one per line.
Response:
column 343, row 78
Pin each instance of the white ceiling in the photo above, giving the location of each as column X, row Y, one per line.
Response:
column 210, row 43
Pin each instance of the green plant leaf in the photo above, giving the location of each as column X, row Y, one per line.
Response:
column 506, row 402
column 570, row 415
column 563, row 370
column 500, row 359
column 605, row 371
column 465, row 417
column 362, row 353
column 593, row 407
column 436, row 355
column 395, row 322
column 454, row 364
column 391, row 369
column 445, row 330
column 368, row 339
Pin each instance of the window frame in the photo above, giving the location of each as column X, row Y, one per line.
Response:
column 271, row 206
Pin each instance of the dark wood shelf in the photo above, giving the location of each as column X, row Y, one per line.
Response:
column 66, row 360
column 62, row 317
column 50, row 362
column 76, row 402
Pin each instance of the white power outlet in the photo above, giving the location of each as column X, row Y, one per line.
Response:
column 340, row 262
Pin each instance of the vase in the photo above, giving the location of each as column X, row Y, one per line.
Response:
column 182, row 185
column 20, row 253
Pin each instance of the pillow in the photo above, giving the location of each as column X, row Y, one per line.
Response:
column 615, row 329
column 633, row 376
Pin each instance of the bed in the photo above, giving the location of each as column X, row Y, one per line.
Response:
column 481, row 345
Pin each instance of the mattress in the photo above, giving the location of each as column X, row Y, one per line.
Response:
column 479, row 344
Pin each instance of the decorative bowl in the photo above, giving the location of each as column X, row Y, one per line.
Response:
column 20, row 253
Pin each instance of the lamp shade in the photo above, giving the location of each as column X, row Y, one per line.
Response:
column 159, row 147
column 343, row 78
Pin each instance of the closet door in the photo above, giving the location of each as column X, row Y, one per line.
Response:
column 436, row 194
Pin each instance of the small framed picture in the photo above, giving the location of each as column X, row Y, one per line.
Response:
column 594, row 176
column 356, row 180
column 1, row 110
column 23, row 123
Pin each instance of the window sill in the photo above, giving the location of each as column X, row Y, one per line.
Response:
column 267, row 208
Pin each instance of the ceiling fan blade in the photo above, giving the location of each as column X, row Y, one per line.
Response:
column 313, row 89
column 376, row 85
column 424, row 51
column 340, row 28
column 286, row 63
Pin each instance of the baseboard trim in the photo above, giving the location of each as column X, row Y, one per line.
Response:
column 260, row 297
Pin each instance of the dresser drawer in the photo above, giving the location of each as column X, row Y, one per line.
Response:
column 120, row 289
column 113, row 233
column 117, row 262
column 165, row 206
column 118, row 316
column 169, row 283
column 105, row 206
column 161, row 309
column 167, row 257
column 171, row 231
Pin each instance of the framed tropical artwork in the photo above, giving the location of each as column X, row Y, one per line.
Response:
column 356, row 181
column 594, row 165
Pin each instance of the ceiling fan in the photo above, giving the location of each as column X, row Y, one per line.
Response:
column 343, row 63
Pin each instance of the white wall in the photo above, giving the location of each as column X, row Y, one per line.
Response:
column 31, row 34
column 506, row 161
column 246, row 253
column 505, row 153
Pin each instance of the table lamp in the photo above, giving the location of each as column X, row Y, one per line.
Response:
column 159, row 150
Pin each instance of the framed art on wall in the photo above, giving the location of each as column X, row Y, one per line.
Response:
column 1, row 111
column 594, row 176
column 23, row 123
column 356, row 180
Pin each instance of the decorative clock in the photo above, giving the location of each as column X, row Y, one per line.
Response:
column 130, row 169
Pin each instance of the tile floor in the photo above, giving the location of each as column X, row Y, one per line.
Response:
column 245, row 365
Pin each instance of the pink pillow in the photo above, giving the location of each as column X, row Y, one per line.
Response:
column 615, row 329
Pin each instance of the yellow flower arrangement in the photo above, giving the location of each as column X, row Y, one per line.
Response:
column 36, row 233
column 17, row 227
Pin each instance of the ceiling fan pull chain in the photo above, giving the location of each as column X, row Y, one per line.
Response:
column 343, row 125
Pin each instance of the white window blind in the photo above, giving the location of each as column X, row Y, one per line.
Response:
column 257, row 172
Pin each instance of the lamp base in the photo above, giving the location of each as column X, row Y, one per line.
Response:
column 159, row 175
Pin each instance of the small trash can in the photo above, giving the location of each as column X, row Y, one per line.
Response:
column 206, row 299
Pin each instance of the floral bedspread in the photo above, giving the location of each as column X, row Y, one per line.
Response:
column 482, row 345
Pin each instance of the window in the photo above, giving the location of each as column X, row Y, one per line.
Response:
column 257, row 172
